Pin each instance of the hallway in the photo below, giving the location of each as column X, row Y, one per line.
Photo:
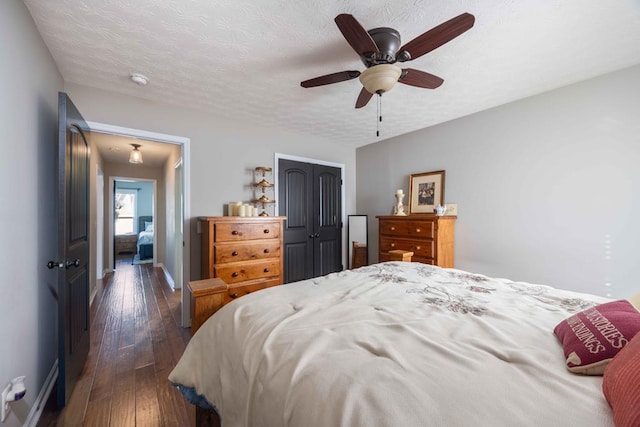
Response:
column 136, row 340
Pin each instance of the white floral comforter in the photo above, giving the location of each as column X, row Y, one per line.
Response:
column 392, row 344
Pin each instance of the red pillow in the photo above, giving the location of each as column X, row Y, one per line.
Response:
column 591, row 338
column 621, row 385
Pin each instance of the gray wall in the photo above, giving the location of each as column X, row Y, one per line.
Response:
column 96, row 164
column 29, row 84
column 223, row 153
column 547, row 187
column 173, row 249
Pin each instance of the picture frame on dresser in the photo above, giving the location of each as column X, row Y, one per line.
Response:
column 426, row 191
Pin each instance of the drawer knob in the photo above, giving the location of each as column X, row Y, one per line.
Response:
column 233, row 295
column 234, row 232
column 393, row 229
column 393, row 245
column 266, row 231
column 234, row 253
column 234, row 274
column 417, row 248
column 418, row 230
column 266, row 270
column 266, row 251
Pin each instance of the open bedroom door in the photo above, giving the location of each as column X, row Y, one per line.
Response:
column 72, row 260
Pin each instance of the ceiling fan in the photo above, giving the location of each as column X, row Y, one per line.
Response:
column 379, row 49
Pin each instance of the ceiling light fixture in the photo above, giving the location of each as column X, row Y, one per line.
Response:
column 136, row 155
column 139, row 79
column 380, row 78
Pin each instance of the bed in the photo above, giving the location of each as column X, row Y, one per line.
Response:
column 392, row 344
column 145, row 237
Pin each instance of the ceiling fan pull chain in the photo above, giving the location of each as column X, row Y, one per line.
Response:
column 379, row 118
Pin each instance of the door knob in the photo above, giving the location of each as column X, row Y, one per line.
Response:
column 75, row 263
column 52, row 264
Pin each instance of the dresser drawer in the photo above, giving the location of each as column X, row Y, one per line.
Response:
column 244, row 252
column 384, row 257
column 236, row 231
column 242, row 290
column 420, row 248
column 414, row 228
column 240, row 272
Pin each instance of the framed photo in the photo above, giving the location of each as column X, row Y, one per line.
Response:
column 426, row 191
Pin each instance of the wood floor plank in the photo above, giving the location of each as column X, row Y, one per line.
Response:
column 127, row 327
column 143, row 346
column 123, row 408
column 147, row 407
column 106, row 367
column 175, row 411
column 98, row 413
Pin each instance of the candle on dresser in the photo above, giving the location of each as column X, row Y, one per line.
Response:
column 242, row 210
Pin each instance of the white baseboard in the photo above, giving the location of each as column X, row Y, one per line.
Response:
column 167, row 276
column 43, row 396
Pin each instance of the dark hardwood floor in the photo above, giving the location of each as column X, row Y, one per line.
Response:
column 136, row 340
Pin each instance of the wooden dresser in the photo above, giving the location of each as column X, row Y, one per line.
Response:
column 245, row 252
column 428, row 236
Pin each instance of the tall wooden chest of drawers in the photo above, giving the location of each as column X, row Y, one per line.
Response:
column 428, row 236
column 245, row 252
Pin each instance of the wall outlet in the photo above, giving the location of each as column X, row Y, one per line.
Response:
column 451, row 209
column 5, row 409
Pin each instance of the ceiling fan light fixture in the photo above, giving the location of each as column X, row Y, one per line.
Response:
column 380, row 78
column 136, row 155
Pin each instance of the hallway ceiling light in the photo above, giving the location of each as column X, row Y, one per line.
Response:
column 136, row 155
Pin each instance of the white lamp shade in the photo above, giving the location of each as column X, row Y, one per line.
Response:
column 380, row 78
column 136, row 155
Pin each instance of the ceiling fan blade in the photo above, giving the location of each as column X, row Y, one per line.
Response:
column 331, row 78
column 358, row 37
column 419, row 78
column 436, row 37
column 363, row 98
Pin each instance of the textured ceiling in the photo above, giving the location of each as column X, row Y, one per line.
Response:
column 245, row 60
column 116, row 149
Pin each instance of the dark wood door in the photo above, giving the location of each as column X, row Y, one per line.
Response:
column 310, row 196
column 73, row 246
